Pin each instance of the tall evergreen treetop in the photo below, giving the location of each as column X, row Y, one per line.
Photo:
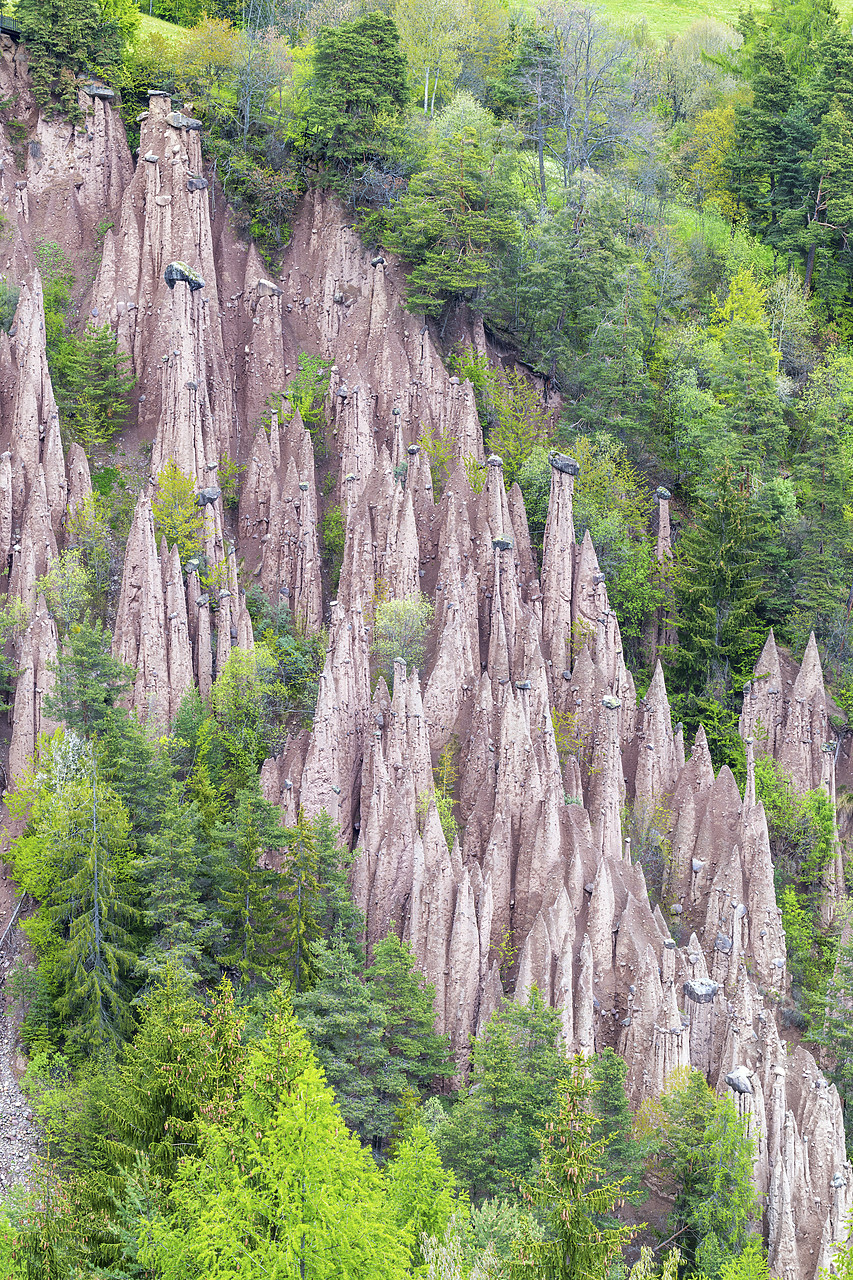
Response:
column 359, row 73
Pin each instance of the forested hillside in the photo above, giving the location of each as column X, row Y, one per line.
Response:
column 427, row 574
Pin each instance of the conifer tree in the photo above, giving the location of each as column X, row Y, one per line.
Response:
column 302, row 893
column 92, row 906
column 64, row 41
column 572, row 1193
column 251, row 895
column 622, row 1156
column 418, row 1052
column 346, row 1024
column 421, row 1190
column 172, row 869
column 90, row 682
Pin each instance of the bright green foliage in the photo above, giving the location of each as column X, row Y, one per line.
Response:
column 408, row 1002
column 706, row 1160
column 307, row 392
column 835, row 1030
column 90, row 682
column 334, row 538
column 65, row 41
column 359, row 76
column 14, row 619
column 177, row 516
column 66, row 587
column 283, row 1190
column 92, row 385
column 182, row 1068
column 571, row 1193
column 250, row 894
column 459, row 212
column 621, row 1155
column 420, row 1190
column 491, row 1138
column 89, row 533
column 399, row 631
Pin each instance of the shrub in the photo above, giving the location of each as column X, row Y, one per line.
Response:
column 177, row 515
column 400, row 631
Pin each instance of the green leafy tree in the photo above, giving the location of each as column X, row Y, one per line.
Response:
column 66, row 589
column 491, row 1137
column 399, row 631
column 284, row 1189
column 89, row 682
column 177, row 516
column 572, row 1193
column 358, row 77
column 706, row 1160
column 65, row 41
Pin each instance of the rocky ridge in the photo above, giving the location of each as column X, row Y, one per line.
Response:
column 540, row 861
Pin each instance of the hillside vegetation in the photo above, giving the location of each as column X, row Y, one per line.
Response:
column 645, row 219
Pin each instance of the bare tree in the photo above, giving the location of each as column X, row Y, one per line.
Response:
column 257, row 72
column 599, row 93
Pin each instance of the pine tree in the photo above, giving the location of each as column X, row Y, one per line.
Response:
column 622, row 1156
column 250, row 896
column 346, row 1024
column 171, row 867
column 92, row 907
column 419, row 1053
column 302, row 893
column 338, row 909
column 358, row 75
column 572, row 1193
column 90, row 682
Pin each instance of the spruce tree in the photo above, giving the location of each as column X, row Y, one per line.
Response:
column 573, row 1193
column 418, row 1052
column 172, row 869
column 346, row 1024
column 251, row 895
column 90, row 682
column 91, row 908
column 301, row 891
column 358, row 75
column 621, row 1155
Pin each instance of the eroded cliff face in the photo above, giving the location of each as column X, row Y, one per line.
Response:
column 540, row 862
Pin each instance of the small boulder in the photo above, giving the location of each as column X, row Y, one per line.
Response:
column 180, row 271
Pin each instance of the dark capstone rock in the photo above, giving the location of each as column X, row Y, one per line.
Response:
column 522, row 684
column 207, row 497
column 158, row 93
column 99, row 91
column 180, row 271
column 196, row 184
column 611, row 702
column 663, row 494
column 738, row 1079
column 502, row 544
column 178, row 120
column 378, row 261
column 413, row 450
column 562, row 462
column 723, row 944
column 701, row 990
column 493, row 460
